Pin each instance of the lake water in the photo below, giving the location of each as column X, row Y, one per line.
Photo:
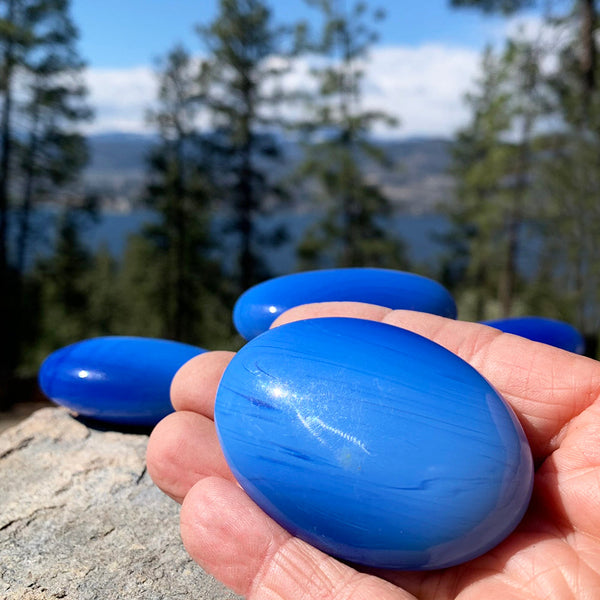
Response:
column 112, row 230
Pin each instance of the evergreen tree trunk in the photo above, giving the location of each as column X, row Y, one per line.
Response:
column 247, row 263
column 181, row 310
column 25, row 212
column 5, row 150
column 8, row 61
column 589, row 51
column 509, row 275
column 514, row 218
column 580, row 286
column 24, row 227
column 349, row 237
column 481, row 278
column 246, row 224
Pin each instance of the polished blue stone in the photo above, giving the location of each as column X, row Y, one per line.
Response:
column 123, row 380
column 259, row 306
column 374, row 444
column 541, row 329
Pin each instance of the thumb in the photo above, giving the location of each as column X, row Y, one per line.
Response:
column 235, row 541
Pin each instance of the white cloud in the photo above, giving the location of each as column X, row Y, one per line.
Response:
column 120, row 98
column 422, row 86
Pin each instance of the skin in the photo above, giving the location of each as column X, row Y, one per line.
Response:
column 554, row 552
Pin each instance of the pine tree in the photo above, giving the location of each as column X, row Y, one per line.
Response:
column 53, row 152
column 493, row 162
column 584, row 12
column 13, row 40
column 13, row 44
column 571, row 185
column 63, row 287
column 567, row 178
column 480, row 162
column 179, row 190
column 39, row 91
column 338, row 145
column 242, row 89
column 528, row 104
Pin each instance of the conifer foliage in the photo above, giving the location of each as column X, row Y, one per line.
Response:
column 42, row 101
column 242, row 90
column 338, row 144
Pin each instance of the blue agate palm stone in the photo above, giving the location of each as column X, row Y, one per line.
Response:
column 259, row 306
column 374, row 444
column 541, row 329
column 124, row 380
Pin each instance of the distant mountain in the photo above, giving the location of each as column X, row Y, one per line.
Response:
column 116, row 152
column 416, row 181
column 117, row 168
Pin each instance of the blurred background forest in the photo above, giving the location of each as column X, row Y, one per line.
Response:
column 251, row 171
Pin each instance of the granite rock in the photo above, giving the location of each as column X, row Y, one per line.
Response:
column 80, row 518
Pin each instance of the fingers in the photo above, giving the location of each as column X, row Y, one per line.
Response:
column 194, row 386
column 182, row 450
column 569, row 482
column 231, row 538
column 546, row 387
column 184, row 447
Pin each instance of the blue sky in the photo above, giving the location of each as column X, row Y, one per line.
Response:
column 125, row 33
column 425, row 62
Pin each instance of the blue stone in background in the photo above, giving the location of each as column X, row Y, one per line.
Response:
column 374, row 444
column 259, row 306
column 124, row 380
column 541, row 329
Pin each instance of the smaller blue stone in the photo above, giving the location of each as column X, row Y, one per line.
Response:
column 124, row 380
column 259, row 306
column 541, row 329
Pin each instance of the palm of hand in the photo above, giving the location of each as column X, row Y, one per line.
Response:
column 554, row 553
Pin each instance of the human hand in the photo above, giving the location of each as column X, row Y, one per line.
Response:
column 554, row 552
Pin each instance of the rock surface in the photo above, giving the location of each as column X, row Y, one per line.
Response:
column 80, row 518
